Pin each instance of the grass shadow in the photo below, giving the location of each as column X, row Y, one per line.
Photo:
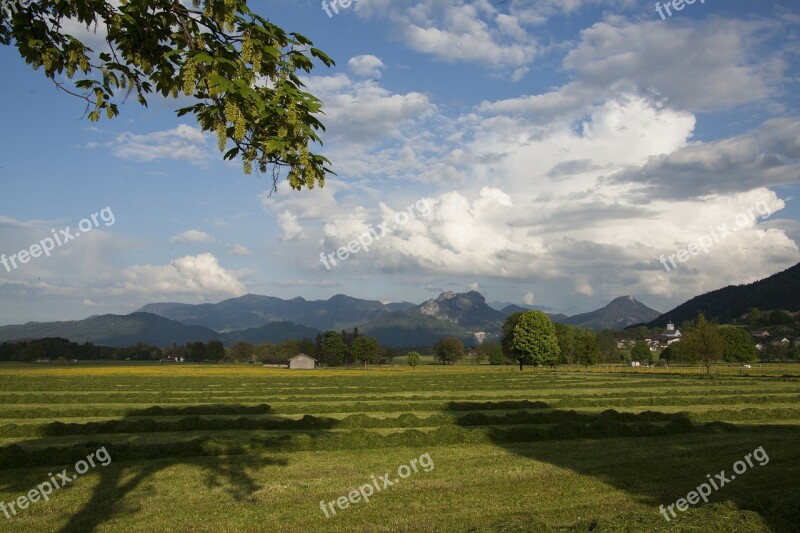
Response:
column 656, row 458
column 144, row 443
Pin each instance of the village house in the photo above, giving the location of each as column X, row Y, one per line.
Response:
column 670, row 335
column 299, row 361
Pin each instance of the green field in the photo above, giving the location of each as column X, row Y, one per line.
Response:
column 244, row 448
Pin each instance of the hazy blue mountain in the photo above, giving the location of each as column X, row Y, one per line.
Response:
column 252, row 311
column 619, row 314
column 114, row 330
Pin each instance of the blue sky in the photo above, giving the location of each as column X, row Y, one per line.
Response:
column 554, row 150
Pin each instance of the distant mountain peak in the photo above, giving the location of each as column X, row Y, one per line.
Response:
column 620, row 313
column 465, row 309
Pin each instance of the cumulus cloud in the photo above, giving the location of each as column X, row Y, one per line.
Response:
column 364, row 112
column 196, row 277
column 291, row 228
column 459, row 31
column 192, row 235
column 366, row 66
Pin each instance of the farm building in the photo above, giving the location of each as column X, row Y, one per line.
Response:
column 302, row 361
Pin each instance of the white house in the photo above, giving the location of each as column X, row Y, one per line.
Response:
column 670, row 335
column 302, row 361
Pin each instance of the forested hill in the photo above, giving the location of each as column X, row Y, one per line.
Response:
column 780, row 291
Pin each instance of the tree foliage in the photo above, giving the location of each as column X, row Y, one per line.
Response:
column 331, row 349
column 240, row 70
column 366, row 349
column 492, row 351
column 413, row 359
column 641, row 351
column 739, row 346
column 530, row 338
column 577, row 345
column 241, row 352
column 448, row 350
column 702, row 342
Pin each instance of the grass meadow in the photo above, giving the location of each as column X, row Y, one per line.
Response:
column 242, row 448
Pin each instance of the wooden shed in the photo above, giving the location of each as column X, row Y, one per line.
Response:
column 302, row 361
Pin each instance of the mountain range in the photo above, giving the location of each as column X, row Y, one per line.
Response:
column 254, row 318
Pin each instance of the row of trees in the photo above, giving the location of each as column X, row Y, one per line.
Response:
column 56, row 347
column 528, row 338
column 706, row 342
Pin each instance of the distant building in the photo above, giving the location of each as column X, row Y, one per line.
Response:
column 670, row 335
column 175, row 359
column 302, row 361
column 42, row 361
column 760, row 334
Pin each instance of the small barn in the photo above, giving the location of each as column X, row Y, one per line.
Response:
column 302, row 361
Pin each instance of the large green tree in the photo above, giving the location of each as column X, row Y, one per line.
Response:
column 215, row 350
column 702, row 342
column 530, row 338
column 448, row 350
column 334, row 349
column 366, row 349
column 739, row 346
column 240, row 70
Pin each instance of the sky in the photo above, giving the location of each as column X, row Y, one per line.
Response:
column 556, row 153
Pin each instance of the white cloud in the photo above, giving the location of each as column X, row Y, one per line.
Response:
column 197, row 277
column 191, row 235
column 528, row 298
column 291, row 228
column 238, row 249
column 458, row 31
column 185, row 143
column 366, row 66
column 699, row 66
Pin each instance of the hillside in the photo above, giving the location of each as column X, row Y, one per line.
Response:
column 779, row 291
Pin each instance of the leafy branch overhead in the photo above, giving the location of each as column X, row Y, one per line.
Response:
column 241, row 70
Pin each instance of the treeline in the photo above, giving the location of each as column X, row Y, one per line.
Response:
column 331, row 348
column 576, row 346
column 57, row 348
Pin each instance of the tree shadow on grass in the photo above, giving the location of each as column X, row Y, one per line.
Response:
column 144, row 443
column 655, row 457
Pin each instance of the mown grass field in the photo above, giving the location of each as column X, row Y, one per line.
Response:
column 244, row 448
